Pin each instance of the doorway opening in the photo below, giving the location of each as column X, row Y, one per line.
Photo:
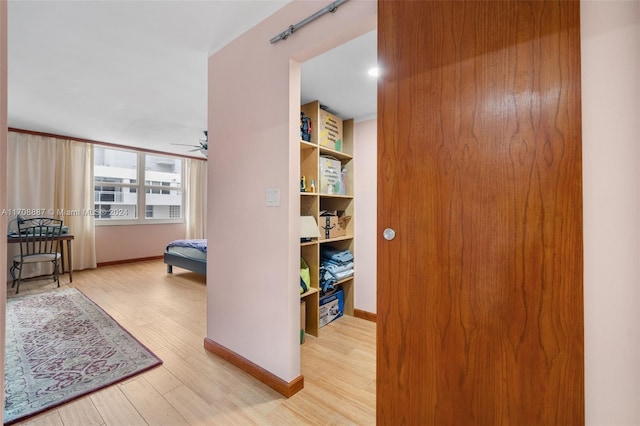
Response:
column 339, row 84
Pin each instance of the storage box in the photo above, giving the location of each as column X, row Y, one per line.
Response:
column 303, row 318
column 333, row 226
column 330, row 182
column 331, row 307
column 330, row 131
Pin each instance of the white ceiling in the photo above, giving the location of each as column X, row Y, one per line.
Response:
column 339, row 78
column 135, row 72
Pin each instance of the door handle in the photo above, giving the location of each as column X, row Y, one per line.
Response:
column 389, row 234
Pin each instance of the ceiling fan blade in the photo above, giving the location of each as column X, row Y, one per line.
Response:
column 201, row 147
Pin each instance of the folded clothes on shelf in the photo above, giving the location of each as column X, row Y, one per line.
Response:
column 337, row 267
column 338, row 256
column 344, row 274
column 328, row 280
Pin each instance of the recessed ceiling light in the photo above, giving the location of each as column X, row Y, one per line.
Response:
column 374, row 72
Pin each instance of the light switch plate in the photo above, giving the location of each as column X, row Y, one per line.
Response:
column 273, row 197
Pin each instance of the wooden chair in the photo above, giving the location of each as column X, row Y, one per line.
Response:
column 39, row 240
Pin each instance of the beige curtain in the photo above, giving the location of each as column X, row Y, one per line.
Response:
column 74, row 192
column 54, row 177
column 196, row 198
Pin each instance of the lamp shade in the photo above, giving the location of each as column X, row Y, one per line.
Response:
column 308, row 227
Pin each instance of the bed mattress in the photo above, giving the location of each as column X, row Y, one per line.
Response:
column 189, row 252
column 193, row 249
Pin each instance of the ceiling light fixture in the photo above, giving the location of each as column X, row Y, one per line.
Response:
column 374, row 72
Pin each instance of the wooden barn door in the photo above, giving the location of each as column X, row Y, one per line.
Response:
column 480, row 308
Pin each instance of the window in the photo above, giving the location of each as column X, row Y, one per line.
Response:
column 129, row 182
column 175, row 211
column 163, row 185
column 103, row 212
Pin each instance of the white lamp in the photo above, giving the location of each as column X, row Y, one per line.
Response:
column 308, row 227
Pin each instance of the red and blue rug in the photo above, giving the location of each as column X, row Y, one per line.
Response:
column 61, row 346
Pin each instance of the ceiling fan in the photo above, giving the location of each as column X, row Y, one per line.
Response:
column 202, row 146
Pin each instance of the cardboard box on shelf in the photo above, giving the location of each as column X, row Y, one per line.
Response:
column 331, row 307
column 333, row 225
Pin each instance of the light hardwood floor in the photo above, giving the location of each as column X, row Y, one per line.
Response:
column 194, row 387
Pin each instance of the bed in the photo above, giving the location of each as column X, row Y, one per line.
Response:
column 187, row 254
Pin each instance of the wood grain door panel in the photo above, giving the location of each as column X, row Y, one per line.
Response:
column 480, row 315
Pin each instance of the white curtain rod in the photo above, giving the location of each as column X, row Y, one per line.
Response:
column 330, row 8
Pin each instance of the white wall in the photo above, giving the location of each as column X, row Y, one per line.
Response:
column 253, row 115
column 3, row 180
column 124, row 242
column 611, row 170
column 366, row 202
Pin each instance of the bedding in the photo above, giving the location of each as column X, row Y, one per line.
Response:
column 200, row 245
column 195, row 249
column 187, row 254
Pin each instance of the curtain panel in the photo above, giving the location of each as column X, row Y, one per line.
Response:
column 53, row 177
column 196, row 198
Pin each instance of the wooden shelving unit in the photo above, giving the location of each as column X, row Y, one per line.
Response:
column 312, row 203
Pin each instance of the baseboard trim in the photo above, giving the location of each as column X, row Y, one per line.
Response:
column 286, row 389
column 119, row 262
column 369, row 316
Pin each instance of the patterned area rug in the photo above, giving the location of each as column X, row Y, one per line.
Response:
column 61, row 346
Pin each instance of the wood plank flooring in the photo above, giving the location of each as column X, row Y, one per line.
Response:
column 194, row 387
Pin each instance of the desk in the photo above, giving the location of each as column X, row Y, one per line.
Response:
column 64, row 237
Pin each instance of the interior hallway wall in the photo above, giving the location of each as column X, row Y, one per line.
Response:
column 253, row 121
column 366, row 202
column 610, row 36
column 3, row 180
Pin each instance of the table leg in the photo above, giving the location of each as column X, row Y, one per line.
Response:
column 61, row 260
column 70, row 257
